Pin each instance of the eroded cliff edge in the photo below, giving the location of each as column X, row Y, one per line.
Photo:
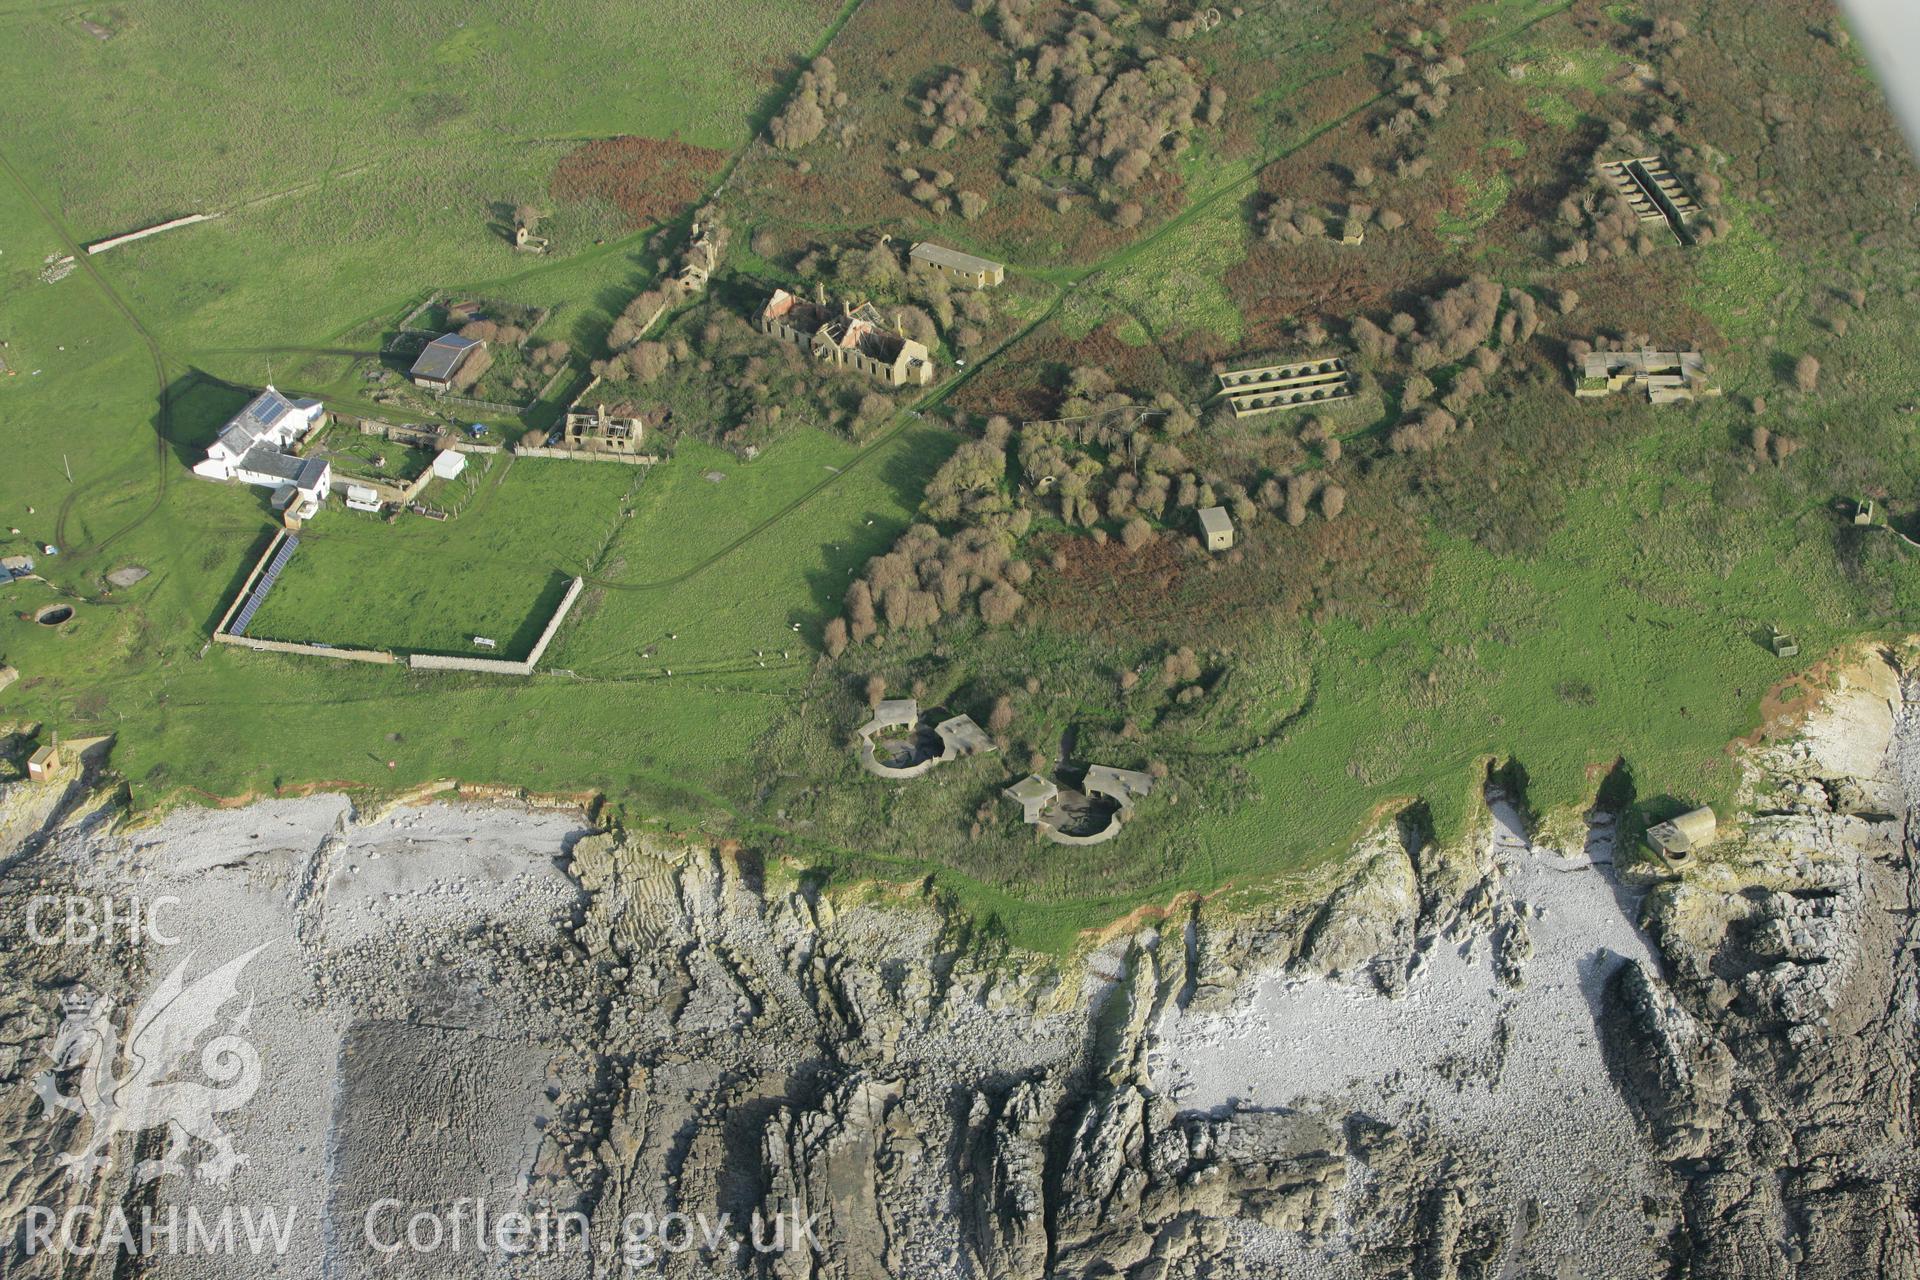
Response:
column 1505, row 1059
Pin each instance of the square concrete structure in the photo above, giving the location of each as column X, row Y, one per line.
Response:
column 891, row 713
column 960, row 736
column 1033, row 794
column 448, row 464
column 44, row 763
column 1216, row 528
column 955, row 265
column 1120, row 785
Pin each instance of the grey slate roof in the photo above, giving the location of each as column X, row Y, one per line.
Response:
column 442, row 356
column 262, row 414
column 268, row 461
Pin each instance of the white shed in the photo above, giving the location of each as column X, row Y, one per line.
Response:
column 449, row 463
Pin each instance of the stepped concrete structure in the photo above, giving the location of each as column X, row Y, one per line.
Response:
column 1271, row 388
column 1652, row 192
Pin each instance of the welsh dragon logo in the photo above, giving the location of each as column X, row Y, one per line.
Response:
column 142, row 1087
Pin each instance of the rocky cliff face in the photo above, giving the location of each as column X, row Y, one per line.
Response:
column 1499, row 1060
column 1774, row 1060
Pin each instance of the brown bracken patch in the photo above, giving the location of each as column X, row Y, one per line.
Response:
column 648, row 179
column 1787, row 704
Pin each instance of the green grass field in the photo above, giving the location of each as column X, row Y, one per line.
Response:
column 497, row 570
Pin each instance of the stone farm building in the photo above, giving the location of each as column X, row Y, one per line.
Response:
column 256, row 447
column 853, row 337
column 596, row 425
column 955, row 265
column 440, row 361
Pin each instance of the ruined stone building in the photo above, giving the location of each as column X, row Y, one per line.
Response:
column 595, row 424
column 854, row 337
column 699, row 261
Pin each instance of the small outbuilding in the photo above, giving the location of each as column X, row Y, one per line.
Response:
column 961, row 736
column 1216, row 528
column 1683, row 836
column 440, row 361
column 44, row 763
column 448, row 464
column 1033, row 794
column 955, row 265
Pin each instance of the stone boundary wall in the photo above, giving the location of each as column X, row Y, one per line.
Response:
column 553, row 623
column 416, row 661
column 490, row 406
column 486, row 666
column 246, row 588
column 398, row 494
column 586, row 455
column 101, row 246
column 500, row 666
column 317, row 650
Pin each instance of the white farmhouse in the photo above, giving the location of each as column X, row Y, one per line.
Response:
column 255, row 447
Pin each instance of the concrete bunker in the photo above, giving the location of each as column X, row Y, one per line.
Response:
column 1679, row 838
column 1093, row 813
column 898, row 742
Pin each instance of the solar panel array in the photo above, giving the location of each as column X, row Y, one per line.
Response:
column 260, row 588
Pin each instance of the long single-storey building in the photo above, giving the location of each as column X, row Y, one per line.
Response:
column 955, row 265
